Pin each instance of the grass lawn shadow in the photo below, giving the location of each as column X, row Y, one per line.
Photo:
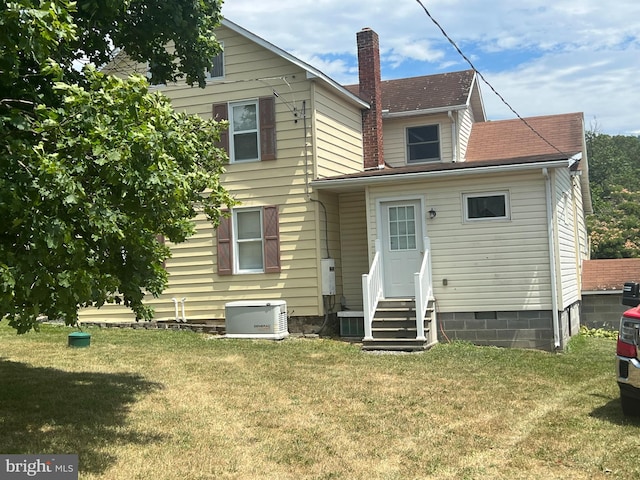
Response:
column 612, row 412
column 47, row 410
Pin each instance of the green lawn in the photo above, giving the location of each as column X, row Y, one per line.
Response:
column 148, row 404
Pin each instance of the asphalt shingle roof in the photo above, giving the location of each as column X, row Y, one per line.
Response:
column 603, row 275
column 513, row 139
column 425, row 92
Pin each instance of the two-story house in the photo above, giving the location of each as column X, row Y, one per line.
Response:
column 386, row 201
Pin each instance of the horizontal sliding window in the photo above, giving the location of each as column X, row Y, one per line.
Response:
column 486, row 206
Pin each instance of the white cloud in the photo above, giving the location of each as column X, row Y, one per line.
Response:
column 401, row 49
column 566, row 55
column 600, row 86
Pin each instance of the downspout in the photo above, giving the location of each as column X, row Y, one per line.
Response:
column 552, row 260
column 175, row 304
column 184, row 316
column 454, row 136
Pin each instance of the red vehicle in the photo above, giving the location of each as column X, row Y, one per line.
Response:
column 627, row 362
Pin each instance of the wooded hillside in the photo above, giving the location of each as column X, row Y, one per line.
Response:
column 614, row 175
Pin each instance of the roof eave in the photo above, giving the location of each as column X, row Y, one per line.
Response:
column 475, row 84
column 347, row 183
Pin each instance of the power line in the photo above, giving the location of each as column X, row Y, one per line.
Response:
column 485, row 80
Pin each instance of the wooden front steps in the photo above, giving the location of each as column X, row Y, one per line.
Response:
column 394, row 326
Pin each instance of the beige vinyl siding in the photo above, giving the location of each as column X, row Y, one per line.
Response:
column 395, row 137
column 297, row 283
column 353, row 241
column 479, row 276
column 581, row 226
column 475, row 103
column 465, row 123
column 122, row 66
column 190, row 270
column 329, row 242
column 565, row 221
column 338, row 134
column 251, row 72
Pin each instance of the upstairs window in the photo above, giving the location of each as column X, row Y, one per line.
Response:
column 216, row 70
column 243, row 128
column 486, row 206
column 252, row 129
column 148, row 75
column 423, row 144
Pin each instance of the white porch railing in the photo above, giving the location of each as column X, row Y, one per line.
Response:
column 372, row 291
column 423, row 289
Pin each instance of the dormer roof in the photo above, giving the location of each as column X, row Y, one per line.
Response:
column 426, row 94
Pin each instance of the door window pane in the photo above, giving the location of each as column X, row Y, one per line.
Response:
column 402, row 228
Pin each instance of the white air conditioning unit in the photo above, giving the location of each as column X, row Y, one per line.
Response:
column 256, row 319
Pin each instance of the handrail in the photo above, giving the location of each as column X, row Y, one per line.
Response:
column 372, row 291
column 423, row 289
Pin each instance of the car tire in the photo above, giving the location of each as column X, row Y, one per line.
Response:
column 630, row 406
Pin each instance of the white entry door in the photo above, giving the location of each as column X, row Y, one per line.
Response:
column 401, row 246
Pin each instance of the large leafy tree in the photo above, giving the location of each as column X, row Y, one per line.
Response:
column 95, row 170
column 614, row 174
column 614, row 229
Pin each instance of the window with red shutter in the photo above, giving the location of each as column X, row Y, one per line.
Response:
column 252, row 129
column 267, row 128
column 221, row 112
column 249, row 241
column 225, row 257
column 271, row 240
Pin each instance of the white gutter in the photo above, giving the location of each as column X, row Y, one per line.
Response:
column 409, row 177
column 411, row 113
column 552, row 259
column 602, row 292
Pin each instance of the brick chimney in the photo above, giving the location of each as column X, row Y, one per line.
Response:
column 370, row 91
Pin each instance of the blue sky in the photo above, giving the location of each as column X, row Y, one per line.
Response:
column 543, row 57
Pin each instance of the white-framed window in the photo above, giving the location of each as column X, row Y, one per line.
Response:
column 244, row 131
column 216, row 70
column 486, row 206
column 248, row 240
column 252, row 129
column 423, row 144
